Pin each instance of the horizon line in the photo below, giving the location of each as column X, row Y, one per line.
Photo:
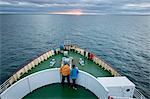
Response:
column 74, row 14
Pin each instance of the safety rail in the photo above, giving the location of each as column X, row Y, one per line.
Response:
column 104, row 65
column 138, row 94
column 116, row 97
column 25, row 68
column 51, row 76
column 96, row 59
column 5, row 85
column 36, row 61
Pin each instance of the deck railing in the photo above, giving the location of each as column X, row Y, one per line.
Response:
column 138, row 94
column 50, row 76
column 36, row 61
column 96, row 59
column 106, row 66
column 25, row 68
column 115, row 97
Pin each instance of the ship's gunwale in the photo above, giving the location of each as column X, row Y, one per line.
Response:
column 16, row 76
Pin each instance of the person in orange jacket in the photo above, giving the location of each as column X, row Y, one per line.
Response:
column 65, row 71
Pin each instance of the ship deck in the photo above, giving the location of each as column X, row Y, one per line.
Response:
column 56, row 89
column 89, row 66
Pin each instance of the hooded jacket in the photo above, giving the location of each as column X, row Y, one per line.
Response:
column 74, row 73
column 65, row 70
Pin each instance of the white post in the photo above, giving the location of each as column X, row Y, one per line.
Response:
column 29, row 84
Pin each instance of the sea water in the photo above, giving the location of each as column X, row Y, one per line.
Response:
column 122, row 41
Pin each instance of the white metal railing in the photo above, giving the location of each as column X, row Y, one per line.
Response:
column 90, row 82
column 116, row 97
column 24, row 69
column 97, row 60
column 109, row 68
column 50, row 76
column 138, row 95
column 16, row 76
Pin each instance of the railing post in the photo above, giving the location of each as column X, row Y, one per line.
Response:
column 29, row 84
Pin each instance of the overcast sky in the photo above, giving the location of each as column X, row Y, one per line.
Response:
column 85, row 6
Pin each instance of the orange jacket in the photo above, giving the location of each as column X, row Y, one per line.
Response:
column 65, row 70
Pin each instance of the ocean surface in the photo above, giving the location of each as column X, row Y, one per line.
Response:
column 122, row 41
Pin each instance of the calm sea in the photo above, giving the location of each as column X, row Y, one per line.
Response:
column 122, row 41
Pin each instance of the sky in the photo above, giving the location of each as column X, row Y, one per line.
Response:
column 77, row 7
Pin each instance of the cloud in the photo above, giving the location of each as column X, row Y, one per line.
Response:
column 18, row 3
column 4, row 3
column 138, row 5
column 87, row 6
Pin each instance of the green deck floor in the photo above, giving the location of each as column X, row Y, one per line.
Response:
column 89, row 66
column 56, row 89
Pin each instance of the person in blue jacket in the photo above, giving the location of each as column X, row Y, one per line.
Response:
column 73, row 75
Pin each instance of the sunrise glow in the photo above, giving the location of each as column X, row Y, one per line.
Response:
column 68, row 12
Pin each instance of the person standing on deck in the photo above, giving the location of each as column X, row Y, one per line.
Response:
column 74, row 75
column 65, row 71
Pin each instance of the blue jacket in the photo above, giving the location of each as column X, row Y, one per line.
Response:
column 74, row 73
